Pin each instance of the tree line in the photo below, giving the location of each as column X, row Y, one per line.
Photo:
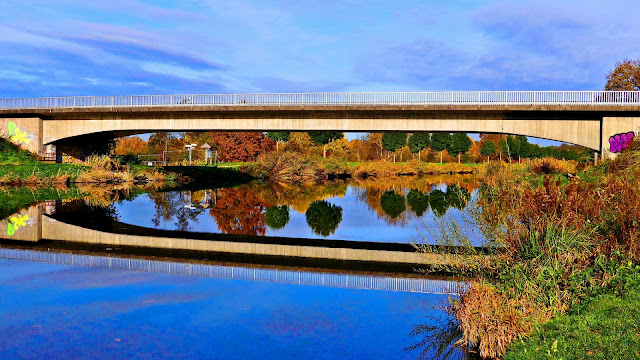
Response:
column 390, row 146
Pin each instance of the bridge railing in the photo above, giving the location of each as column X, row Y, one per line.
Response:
column 354, row 281
column 596, row 98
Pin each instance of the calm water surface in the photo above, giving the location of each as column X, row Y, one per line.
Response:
column 90, row 302
column 389, row 212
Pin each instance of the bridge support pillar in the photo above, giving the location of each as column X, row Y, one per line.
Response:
column 24, row 132
column 616, row 132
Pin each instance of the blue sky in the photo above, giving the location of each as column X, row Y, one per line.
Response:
column 69, row 47
column 120, row 47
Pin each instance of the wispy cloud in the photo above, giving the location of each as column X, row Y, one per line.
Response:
column 63, row 47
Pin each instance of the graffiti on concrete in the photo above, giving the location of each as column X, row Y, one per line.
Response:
column 619, row 142
column 18, row 135
column 16, row 222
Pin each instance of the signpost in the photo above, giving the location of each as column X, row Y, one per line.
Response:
column 190, row 147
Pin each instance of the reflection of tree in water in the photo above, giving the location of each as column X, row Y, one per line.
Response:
column 277, row 217
column 454, row 197
column 437, row 339
column 296, row 196
column 457, row 197
column 239, row 211
column 373, row 197
column 438, row 202
column 418, row 202
column 392, row 204
column 174, row 206
column 323, row 218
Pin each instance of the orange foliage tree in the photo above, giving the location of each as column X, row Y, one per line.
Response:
column 234, row 146
column 625, row 76
column 131, row 146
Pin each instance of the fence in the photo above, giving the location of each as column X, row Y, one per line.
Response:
column 596, row 98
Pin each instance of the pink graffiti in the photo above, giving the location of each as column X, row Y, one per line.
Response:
column 620, row 142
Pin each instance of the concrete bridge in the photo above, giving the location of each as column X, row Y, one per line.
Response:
column 588, row 118
column 74, row 245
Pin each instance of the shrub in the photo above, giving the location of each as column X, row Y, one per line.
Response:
column 288, row 166
column 491, row 321
column 549, row 165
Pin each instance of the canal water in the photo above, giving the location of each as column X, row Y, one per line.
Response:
column 208, row 273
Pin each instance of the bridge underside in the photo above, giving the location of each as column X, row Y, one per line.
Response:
column 588, row 128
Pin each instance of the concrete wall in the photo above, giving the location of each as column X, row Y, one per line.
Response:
column 24, row 225
column 25, row 132
column 612, row 126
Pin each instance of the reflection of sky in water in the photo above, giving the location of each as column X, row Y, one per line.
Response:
column 359, row 222
column 53, row 311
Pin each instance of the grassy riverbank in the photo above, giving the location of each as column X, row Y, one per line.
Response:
column 604, row 326
column 19, row 167
column 562, row 236
column 293, row 167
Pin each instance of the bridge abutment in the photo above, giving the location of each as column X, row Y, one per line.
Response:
column 616, row 133
column 24, row 132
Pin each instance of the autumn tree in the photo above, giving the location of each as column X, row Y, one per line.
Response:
column 323, row 138
column 279, row 137
column 460, row 143
column 374, row 142
column 440, row 141
column 418, row 142
column 393, row 141
column 299, row 142
column 234, row 146
column 131, row 146
column 357, row 148
column 624, row 77
column 165, row 141
column 339, row 147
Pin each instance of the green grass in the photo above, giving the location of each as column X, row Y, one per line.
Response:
column 605, row 326
column 12, row 154
column 233, row 165
column 40, row 170
column 17, row 164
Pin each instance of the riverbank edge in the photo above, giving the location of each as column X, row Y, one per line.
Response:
column 613, row 299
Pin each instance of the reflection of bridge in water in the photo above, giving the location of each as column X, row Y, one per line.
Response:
column 352, row 281
column 35, row 236
column 43, row 227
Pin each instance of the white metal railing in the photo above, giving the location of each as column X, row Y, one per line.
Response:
column 354, row 281
column 597, row 98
